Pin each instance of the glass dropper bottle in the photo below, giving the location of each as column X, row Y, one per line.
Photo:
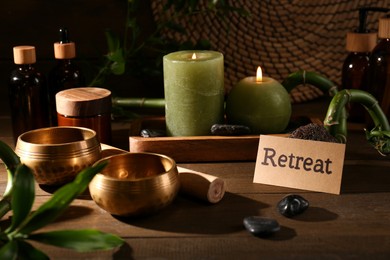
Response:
column 66, row 74
column 28, row 95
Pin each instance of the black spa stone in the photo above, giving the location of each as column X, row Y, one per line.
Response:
column 152, row 133
column 260, row 226
column 292, row 205
column 229, row 130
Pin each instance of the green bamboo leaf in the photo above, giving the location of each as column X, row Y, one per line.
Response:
column 118, row 68
column 379, row 139
column 8, row 156
column 9, row 250
column 27, row 252
column 60, row 200
column 11, row 160
column 19, row 250
column 386, row 133
column 113, row 41
column 23, row 195
column 5, row 206
column 79, row 240
column 116, row 55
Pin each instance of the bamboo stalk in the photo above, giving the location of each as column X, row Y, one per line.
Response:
column 139, row 102
column 325, row 85
column 293, row 80
column 355, row 96
column 308, row 77
column 379, row 137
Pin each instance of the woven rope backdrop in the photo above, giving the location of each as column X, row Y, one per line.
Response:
column 281, row 36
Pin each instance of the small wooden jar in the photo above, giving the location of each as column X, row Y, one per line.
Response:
column 86, row 107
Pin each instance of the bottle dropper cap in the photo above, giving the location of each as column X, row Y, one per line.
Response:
column 24, row 54
column 384, row 27
column 64, row 49
column 361, row 42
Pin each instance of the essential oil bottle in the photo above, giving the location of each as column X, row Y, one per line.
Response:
column 28, row 94
column 66, row 74
column 359, row 45
column 379, row 70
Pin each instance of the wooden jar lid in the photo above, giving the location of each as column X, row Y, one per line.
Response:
column 361, row 42
column 82, row 102
column 64, row 50
column 24, row 54
column 384, row 28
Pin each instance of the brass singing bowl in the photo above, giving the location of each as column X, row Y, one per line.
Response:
column 134, row 184
column 57, row 154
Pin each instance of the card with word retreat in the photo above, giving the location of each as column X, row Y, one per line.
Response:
column 300, row 164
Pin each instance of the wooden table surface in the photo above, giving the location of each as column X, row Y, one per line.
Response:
column 353, row 225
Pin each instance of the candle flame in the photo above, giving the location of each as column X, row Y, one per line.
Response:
column 193, row 56
column 259, row 75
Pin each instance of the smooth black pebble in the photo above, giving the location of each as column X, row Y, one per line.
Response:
column 261, row 227
column 229, row 130
column 152, row 133
column 292, row 205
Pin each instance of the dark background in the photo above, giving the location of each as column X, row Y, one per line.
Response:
column 36, row 22
column 281, row 36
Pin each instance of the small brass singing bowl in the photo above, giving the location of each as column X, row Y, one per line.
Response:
column 135, row 184
column 57, row 154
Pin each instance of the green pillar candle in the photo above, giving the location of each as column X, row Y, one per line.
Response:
column 194, row 92
column 261, row 103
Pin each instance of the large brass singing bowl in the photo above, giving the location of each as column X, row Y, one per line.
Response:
column 135, row 184
column 57, row 154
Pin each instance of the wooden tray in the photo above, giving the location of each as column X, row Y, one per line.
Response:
column 199, row 148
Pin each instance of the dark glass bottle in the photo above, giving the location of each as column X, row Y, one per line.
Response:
column 28, row 95
column 66, row 74
column 379, row 70
column 355, row 69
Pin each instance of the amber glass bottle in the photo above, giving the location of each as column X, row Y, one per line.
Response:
column 66, row 74
column 28, row 95
column 379, row 70
column 355, row 68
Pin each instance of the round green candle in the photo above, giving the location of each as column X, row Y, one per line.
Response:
column 262, row 105
column 194, row 92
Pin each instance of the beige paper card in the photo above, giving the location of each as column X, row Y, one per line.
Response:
column 300, row 164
